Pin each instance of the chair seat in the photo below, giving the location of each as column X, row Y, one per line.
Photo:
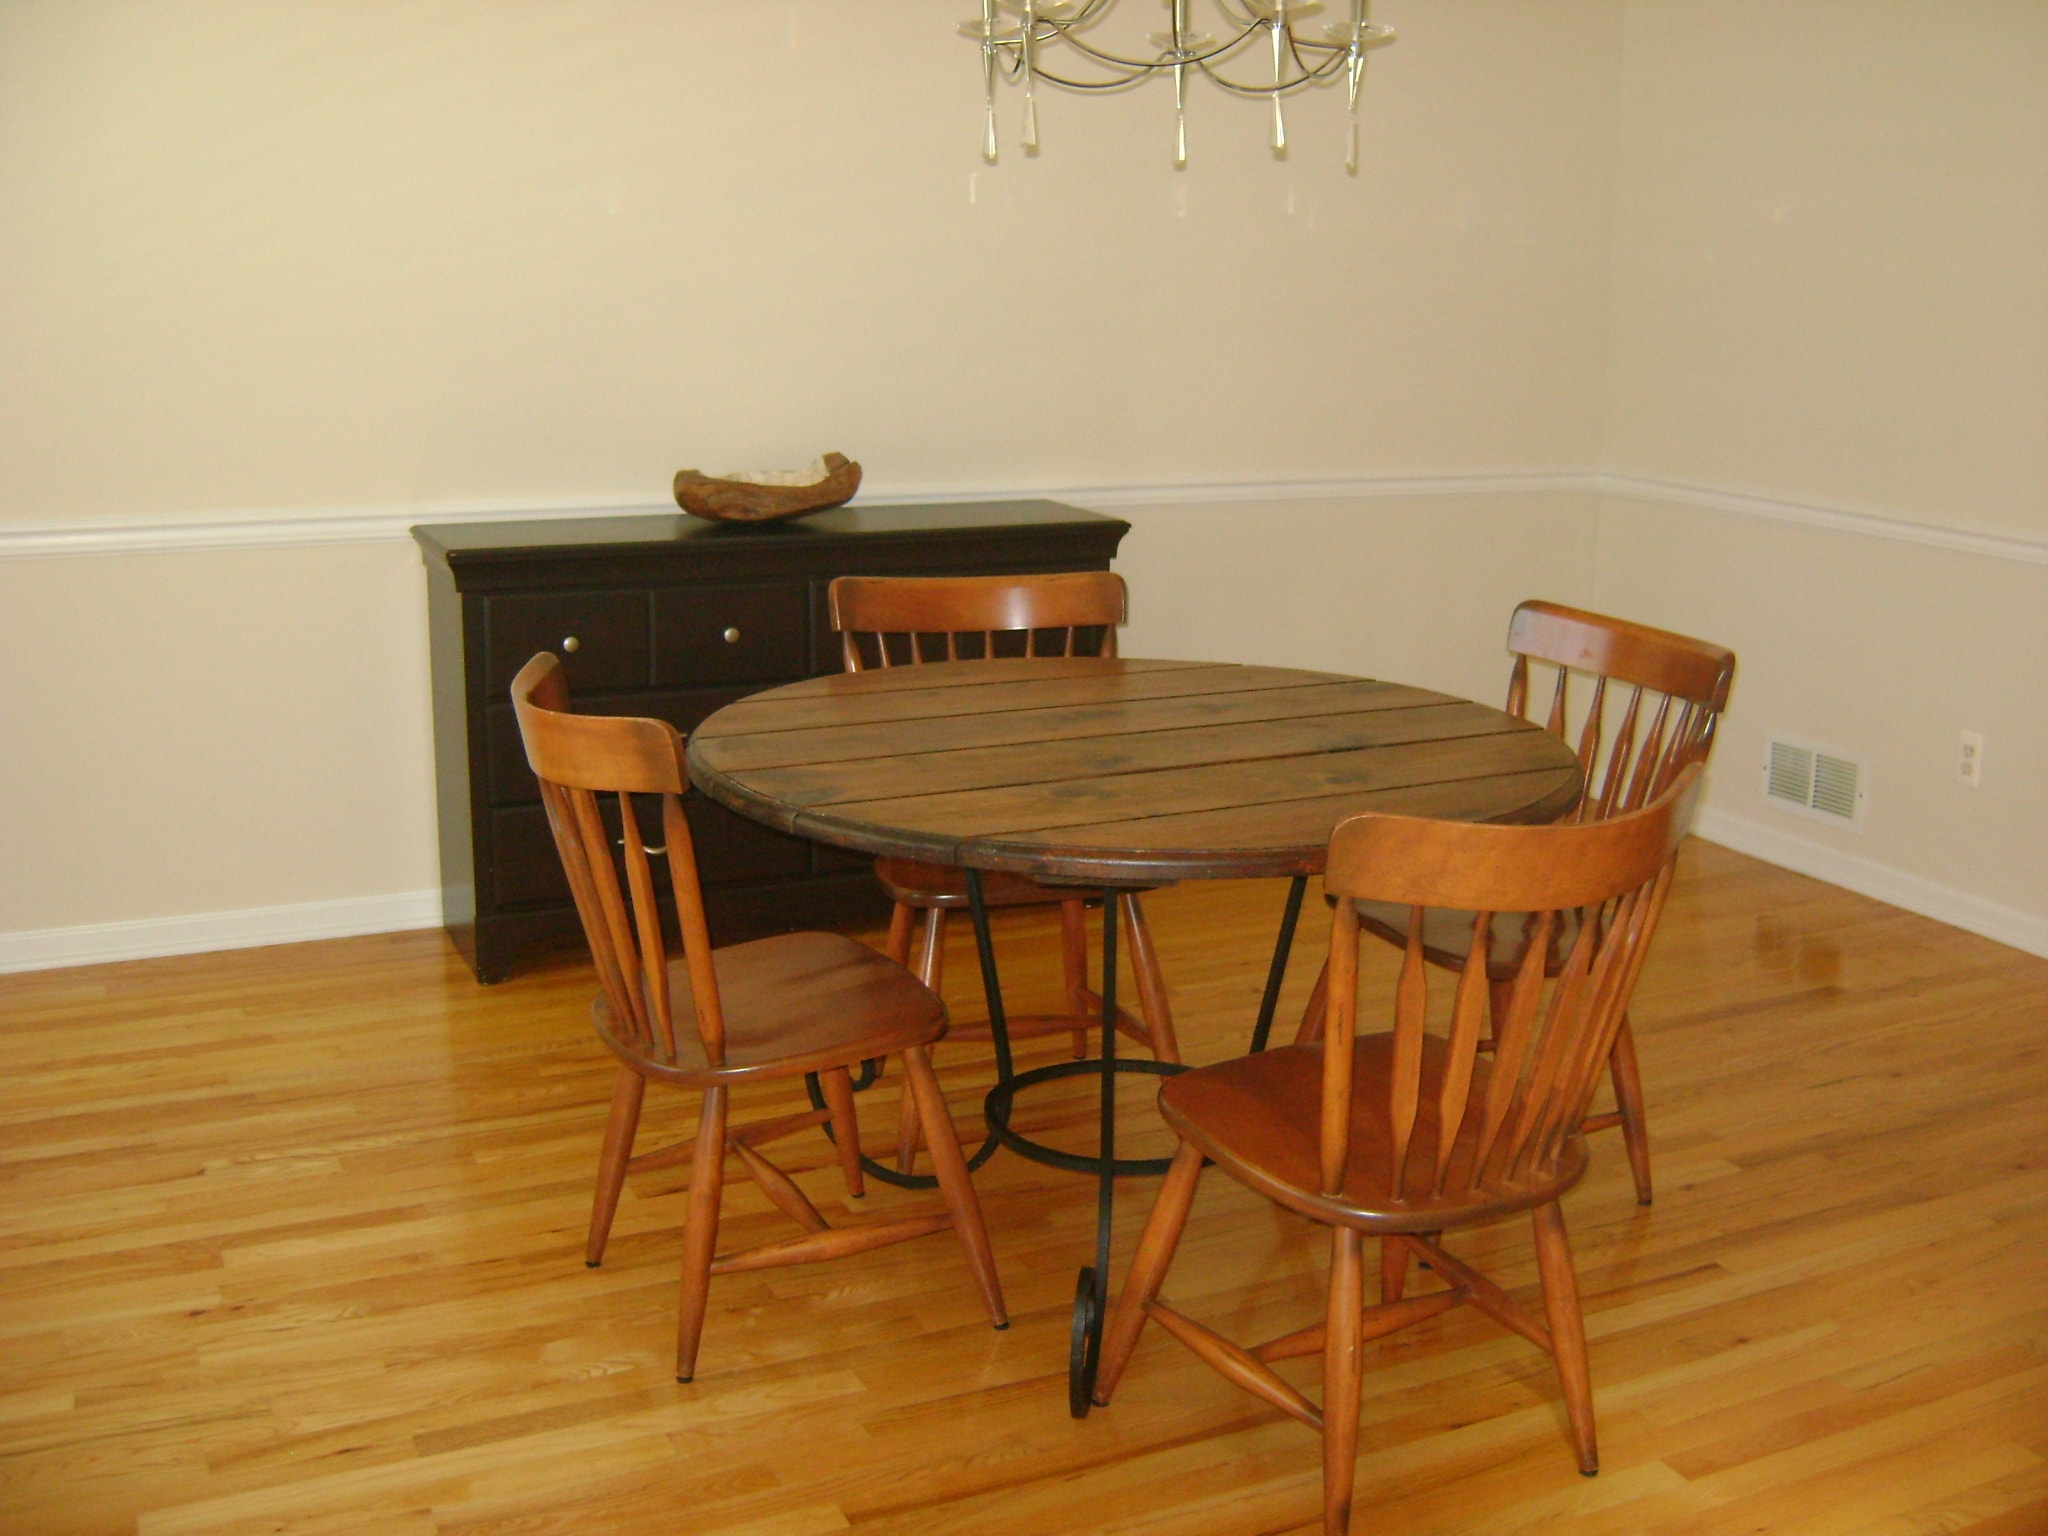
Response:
column 921, row 885
column 794, row 1003
column 1447, row 936
column 1257, row 1118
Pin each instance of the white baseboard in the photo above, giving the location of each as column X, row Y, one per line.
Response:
column 1943, row 903
column 145, row 938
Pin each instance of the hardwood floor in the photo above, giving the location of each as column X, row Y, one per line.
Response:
column 291, row 1242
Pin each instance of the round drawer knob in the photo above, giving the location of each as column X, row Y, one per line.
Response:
column 732, row 634
column 572, row 645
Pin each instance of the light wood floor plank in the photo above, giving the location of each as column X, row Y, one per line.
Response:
column 291, row 1239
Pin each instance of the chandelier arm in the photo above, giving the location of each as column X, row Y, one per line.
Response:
column 1151, row 66
column 1125, row 83
column 1019, row 56
column 1090, row 9
column 1012, row 52
column 1229, row 46
column 1010, row 60
column 1336, row 56
column 1318, row 75
column 1223, row 51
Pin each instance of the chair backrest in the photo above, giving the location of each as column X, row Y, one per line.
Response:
column 893, row 621
column 1495, row 1124
column 578, row 759
column 1676, row 688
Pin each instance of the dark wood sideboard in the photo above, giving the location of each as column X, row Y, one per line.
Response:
column 673, row 617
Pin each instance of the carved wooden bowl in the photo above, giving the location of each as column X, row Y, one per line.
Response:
column 761, row 498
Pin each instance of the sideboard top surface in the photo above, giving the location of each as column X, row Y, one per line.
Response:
column 474, row 548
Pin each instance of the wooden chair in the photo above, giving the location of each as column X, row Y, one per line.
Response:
column 891, row 621
column 1409, row 1134
column 711, row 1019
column 1673, row 689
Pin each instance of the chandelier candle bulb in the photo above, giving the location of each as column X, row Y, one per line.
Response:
column 988, row 76
column 1279, row 26
column 1030, row 77
column 1354, row 77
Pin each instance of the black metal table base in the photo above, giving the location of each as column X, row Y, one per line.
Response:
column 998, row 1104
column 1091, row 1286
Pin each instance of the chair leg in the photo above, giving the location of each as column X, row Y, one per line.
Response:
column 1343, row 1361
column 1393, row 1269
column 1074, row 966
column 1312, row 1012
column 1628, row 1099
column 700, row 1229
column 954, row 1181
column 845, row 1127
column 931, row 970
column 898, row 947
column 1152, row 1003
column 1148, row 1268
column 931, row 949
column 909, row 1131
column 1567, row 1332
column 628, row 1088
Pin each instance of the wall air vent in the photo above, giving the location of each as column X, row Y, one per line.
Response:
column 1827, row 786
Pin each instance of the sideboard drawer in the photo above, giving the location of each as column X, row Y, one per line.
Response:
column 601, row 637
column 731, row 634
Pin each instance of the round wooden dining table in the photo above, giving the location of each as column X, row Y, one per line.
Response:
column 1115, row 773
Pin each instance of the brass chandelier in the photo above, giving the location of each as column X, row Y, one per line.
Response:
column 1019, row 37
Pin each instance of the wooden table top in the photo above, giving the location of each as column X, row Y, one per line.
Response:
column 1118, row 771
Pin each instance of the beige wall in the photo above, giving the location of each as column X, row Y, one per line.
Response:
column 280, row 260
column 1411, row 587
column 271, row 259
column 207, row 732
column 1878, row 650
column 291, row 253
column 1831, row 255
column 1831, row 290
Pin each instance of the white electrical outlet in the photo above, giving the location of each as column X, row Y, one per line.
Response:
column 1970, row 759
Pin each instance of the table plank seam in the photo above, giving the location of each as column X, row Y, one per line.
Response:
column 816, row 818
